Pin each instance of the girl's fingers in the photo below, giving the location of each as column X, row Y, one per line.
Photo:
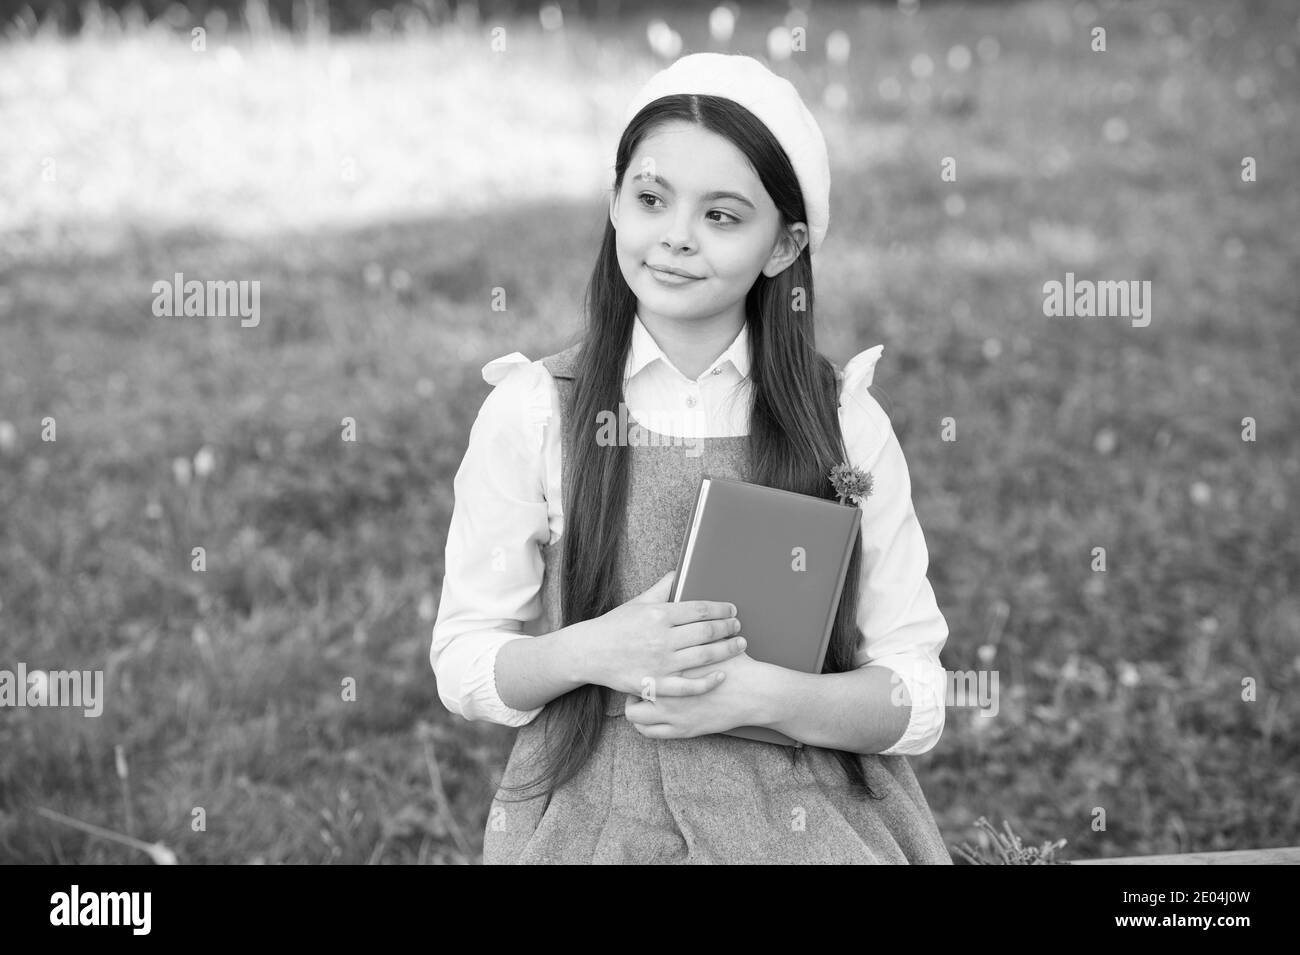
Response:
column 690, row 686
column 703, row 632
column 708, row 653
column 678, row 686
column 693, row 611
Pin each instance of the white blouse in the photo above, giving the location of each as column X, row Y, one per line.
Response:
column 508, row 506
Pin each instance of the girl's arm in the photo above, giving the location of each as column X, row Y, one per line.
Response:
column 530, row 673
column 853, row 711
column 893, row 703
column 494, row 566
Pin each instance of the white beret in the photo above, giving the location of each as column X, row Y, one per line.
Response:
column 771, row 98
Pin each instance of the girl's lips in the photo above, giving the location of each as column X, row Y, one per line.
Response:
column 668, row 278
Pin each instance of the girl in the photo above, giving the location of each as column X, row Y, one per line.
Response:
column 562, row 544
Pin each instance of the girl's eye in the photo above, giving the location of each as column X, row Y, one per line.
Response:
column 730, row 219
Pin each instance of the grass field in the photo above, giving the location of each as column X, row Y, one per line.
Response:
column 379, row 188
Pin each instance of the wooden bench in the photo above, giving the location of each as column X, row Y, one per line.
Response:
column 1289, row 855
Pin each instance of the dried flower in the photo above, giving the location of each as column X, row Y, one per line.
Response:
column 851, row 483
column 1008, row 849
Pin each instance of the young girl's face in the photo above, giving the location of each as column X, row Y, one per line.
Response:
column 690, row 201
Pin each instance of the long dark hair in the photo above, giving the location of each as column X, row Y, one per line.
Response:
column 794, row 429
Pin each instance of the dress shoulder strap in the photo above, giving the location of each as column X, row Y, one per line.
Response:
column 562, row 364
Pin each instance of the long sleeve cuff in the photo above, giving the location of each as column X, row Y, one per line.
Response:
column 467, row 685
column 926, row 684
column 485, row 696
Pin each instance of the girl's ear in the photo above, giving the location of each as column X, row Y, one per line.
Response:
column 613, row 208
column 789, row 243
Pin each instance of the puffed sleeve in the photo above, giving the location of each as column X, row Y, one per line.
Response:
column 899, row 620
column 493, row 578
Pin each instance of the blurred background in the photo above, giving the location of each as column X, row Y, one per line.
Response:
column 379, row 169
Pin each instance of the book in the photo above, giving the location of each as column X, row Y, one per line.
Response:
column 782, row 559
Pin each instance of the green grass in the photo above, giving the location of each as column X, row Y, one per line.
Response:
column 476, row 170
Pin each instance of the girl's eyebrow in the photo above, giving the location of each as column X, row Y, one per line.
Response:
column 712, row 195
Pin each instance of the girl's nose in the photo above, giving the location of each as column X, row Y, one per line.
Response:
column 679, row 237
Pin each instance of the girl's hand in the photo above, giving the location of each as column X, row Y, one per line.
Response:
column 645, row 645
column 732, row 703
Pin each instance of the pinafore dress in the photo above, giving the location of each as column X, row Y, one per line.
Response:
column 713, row 799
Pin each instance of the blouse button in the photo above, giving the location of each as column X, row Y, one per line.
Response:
column 717, row 371
column 690, row 402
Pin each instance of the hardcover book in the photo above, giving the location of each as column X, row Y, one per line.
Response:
column 782, row 559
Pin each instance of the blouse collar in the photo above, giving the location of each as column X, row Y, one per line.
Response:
column 645, row 350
